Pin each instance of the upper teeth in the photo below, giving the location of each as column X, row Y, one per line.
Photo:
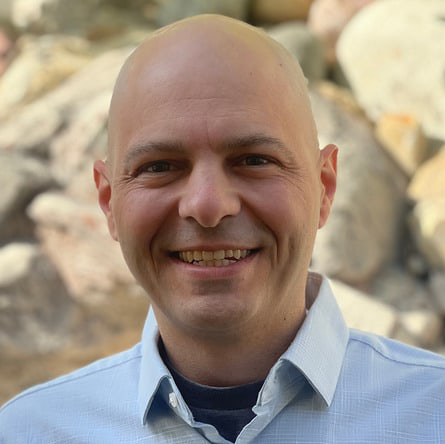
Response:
column 190, row 256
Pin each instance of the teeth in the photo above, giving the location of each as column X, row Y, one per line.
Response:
column 216, row 258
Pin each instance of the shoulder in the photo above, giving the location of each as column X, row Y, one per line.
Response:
column 395, row 352
column 81, row 389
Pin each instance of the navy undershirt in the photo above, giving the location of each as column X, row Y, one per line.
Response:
column 228, row 409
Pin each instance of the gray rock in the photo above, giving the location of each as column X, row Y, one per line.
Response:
column 437, row 288
column 400, row 68
column 35, row 307
column 303, row 45
column 171, row 10
column 32, row 129
column 21, row 179
column 364, row 313
column 363, row 230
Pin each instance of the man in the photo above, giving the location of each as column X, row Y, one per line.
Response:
column 215, row 187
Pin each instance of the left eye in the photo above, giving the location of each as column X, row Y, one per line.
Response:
column 156, row 167
column 255, row 160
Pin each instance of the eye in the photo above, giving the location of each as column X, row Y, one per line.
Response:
column 255, row 160
column 160, row 166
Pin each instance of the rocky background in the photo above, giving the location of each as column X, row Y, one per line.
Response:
column 377, row 77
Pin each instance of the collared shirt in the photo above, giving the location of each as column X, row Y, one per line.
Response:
column 332, row 385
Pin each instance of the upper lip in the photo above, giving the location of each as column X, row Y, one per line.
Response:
column 213, row 248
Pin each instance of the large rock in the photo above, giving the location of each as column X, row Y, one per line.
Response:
column 429, row 180
column 171, row 10
column 266, row 11
column 364, row 313
column 90, row 262
column 437, row 288
column 42, row 63
column 303, row 45
column 327, row 18
column 32, row 129
column 21, row 179
column 402, row 137
column 35, row 307
column 398, row 69
column 363, row 230
column 428, row 227
column 422, row 328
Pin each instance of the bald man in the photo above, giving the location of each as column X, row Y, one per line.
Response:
column 214, row 187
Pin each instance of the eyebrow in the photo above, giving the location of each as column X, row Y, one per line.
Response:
column 232, row 144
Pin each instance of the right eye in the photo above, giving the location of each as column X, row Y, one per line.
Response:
column 160, row 166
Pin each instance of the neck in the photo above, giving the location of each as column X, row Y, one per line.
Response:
column 245, row 358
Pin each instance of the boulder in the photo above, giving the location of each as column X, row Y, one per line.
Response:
column 437, row 288
column 35, row 306
column 362, row 312
column 90, row 262
column 22, row 178
column 266, row 11
column 41, row 64
column 427, row 223
column 327, row 18
column 171, row 10
column 303, row 45
column 32, row 129
column 429, row 180
column 398, row 69
column 422, row 328
column 403, row 138
column 363, row 231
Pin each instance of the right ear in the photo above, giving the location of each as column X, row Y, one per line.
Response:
column 103, row 185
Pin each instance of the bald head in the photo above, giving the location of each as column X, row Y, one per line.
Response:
column 206, row 52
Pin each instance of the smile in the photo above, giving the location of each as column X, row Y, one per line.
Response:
column 218, row 258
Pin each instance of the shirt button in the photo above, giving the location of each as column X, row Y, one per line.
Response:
column 173, row 400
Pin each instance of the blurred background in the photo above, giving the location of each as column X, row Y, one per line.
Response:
column 376, row 72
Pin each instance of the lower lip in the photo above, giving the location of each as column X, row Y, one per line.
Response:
column 204, row 272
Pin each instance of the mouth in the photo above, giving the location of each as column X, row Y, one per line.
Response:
column 207, row 258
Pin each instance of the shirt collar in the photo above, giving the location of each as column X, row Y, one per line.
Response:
column 317, row 350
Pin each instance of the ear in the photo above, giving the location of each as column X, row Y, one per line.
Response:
column 103, row 184
column 328, row 177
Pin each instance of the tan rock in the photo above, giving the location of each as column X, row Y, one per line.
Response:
column 90, row 262
column 402, row 137
column 429, row 180
column 41, row 65
column 428, row 225
column 266, row 11
column 362, row 312
column 422, row 328
column 327, row 18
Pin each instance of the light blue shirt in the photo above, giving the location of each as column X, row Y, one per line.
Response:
column 332, row 385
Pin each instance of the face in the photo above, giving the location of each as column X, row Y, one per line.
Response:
column 214, row 195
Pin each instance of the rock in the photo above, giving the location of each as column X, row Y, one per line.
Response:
column 395, row 287
column 35, row 307
column 74, row 147
column 32, row 129
column 42, row 63
column 266, row 11
column 428, row 226
column 403, row 139
column 429, row 180
column 171, row 10
column 90, row 263
column 363, row 231
column 362, row 312
column 327, row 18
column 21, row 179
column 398, row 69
column 6, row 48
column 303, row 45
column 437, row 288
column 421, row 328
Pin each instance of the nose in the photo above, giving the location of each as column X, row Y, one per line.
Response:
column 208, row 197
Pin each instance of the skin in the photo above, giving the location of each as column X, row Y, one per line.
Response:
column 212, row 145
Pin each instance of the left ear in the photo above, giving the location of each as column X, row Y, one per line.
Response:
column 328, row 178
